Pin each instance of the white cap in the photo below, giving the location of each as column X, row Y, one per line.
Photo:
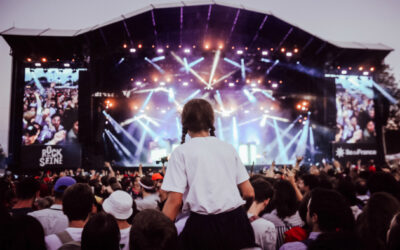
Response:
column 119, row 204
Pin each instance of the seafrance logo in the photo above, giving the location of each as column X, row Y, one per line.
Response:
column 341, row 152
column 51, row 156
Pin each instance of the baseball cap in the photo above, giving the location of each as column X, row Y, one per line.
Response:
column 156, row 176
column 119, row 204
column 63, row 181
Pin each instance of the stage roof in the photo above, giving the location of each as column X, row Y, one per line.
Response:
column 194, row 23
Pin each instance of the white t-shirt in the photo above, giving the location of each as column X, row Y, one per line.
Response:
column 53, row 242
column 124, row 242
column 264, row 233
column 148, row 202
column 53, row 219
column 206, row 171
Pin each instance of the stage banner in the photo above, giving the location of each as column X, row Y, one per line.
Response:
column 344, row 152
column 42, row 156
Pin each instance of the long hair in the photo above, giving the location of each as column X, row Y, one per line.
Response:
column 197, row 115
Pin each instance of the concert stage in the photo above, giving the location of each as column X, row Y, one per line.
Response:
column 278, row 91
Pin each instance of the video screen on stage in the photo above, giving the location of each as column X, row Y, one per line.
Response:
column 263, row 122
column 50, row 106
column 355, row 110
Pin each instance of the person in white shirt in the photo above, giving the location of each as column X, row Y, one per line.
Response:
column 53, row 219
column 119, row 204
column 78, row 202
column 264, row 230
column 205, row 175
column 151, row 198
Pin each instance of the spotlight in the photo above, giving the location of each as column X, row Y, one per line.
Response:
column 231, row 84
column 274, row 85
column 221, row 46
column 372, row 69
column 187, row 51
column 289, row 54
column 167, row 46
column 309, row 112
column 206, row 46
column 296, row 50
column 160, row 51
column 179, row 46
column 140, row 46
column 283, row 50
column 67, row 65
column 298, row 62
column 44, row 59
column 125, row 46
column 360, row 68
column 133, row 50
column 303, row 108
column 298, row 106
column 338, row 67
column 239, row 52
column 344, row 72
column 350, row 68
column 264, row 53
column 305, row 103
column 38, row 64
column 29, row 59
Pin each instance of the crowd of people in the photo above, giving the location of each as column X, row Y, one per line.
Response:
column 203, row 199
column 50, row 115
column 332, row 207
column 355, row 118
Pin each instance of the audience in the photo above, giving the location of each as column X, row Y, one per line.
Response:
column 27, row 192
column 101, row 232
column 264, row 230
column 53, row 219
column 119, row 204
column 97, row 210
column 374, row 222
column 151, row 229
column 285, row 213
column 150, row 195
column 77, row 202
column 327, row 212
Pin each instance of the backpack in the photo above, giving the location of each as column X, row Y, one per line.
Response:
column 67, row 242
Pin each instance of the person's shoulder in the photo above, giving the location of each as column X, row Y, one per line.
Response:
column 264, row 223
column 297, row 245
column 52, row 241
